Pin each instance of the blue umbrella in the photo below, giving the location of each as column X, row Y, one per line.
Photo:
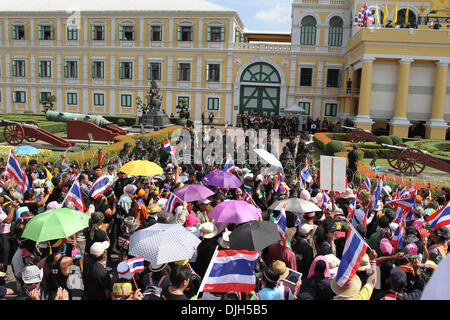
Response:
column 26, row 150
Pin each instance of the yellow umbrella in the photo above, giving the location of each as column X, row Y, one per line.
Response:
column 141, row 168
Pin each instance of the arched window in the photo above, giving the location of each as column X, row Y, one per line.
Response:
column 260, row 72
column 308, row 31
column 401, row 15
column 335, row 32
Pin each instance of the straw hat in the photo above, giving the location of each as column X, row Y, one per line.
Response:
column 208, row 230
column 280, row 268
column 348, row 193
column 365, row 263
column 349, row 290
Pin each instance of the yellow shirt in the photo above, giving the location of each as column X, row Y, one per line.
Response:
column 364, row 294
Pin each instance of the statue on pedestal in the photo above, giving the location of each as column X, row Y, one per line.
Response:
column 152, row 116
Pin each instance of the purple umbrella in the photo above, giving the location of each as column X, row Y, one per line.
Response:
column 193, row 192
column 222, row 179
column 235, row 211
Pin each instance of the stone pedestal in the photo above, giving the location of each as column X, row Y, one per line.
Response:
column 154, row 120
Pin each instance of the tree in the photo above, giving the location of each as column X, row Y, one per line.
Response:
column 183, row 109
column 48, row 103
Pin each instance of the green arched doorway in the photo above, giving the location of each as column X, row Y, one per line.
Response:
column 260, row 89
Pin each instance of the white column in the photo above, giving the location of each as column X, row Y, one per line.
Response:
column 292, row 83
column 8, row 99
column 229, row 71
column 140, row 71
column 171, row 32
column 228, row 108
column 85, row 106
column 33, row 68
column 112, row 102
column 141, row 32
column 59, row 68
column 59, row 99
column 231, row 30
column 31, row 35
column 198, row 95
column 113, row 32
column 33, row 100
column 112, row 70
column 200, row 32
column 85, row 31
column 7, row 68
column 85, row 69
column 319, row 92
column 58, row 31
column 169, row 86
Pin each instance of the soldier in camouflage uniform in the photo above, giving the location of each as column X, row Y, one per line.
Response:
column 153, row 151
column 138, row 153
column 289, row 165
column 124, row 154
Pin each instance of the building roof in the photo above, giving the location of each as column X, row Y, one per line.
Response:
column 111, row 6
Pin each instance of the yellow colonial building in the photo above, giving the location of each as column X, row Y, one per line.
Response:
column 99, row 56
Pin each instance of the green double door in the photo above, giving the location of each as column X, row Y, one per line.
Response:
column 260, row 99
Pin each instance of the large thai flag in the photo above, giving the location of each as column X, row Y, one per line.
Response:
column 100, row 185
column 171, row 202
column 281, row 225
column 75, row 196
column 229, row 165
column 167, row 146
column 305, row 173
column 230, row 270
column 16, row 172
column 354, row 250
column 440, row 218
column 135, row 264
column 397, row 237
column 367, row 184
column 408, row 204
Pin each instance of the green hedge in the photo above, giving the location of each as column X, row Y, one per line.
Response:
column 321, row 144
column 334, row 146
column 337, row 137
column 129, row 121
column 379, row 153
column 395, row 139
column 384, row 139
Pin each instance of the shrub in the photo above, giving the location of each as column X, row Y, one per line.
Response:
column 121, row 123
column 395, row 139
column 384, row 139
column 335, row 146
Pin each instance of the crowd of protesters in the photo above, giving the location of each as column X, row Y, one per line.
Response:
column 91, row 264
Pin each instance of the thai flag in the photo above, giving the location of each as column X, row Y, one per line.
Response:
column 377, row 194
column 281, row 225
column 135, row 264
column 167, row 146
column 277, row 182
column 100, row 185
column 397, row 237
column 16, row 172
column 246, row 197
column 408, row 204
column 171, row 202
column 440, row 218
column 230, row 270
column 75, row 196
column 324, row 202
column 305, row 173
column 390, row 296
column 229, row 165
column 351, row 209
column 283, row 184
column 302, row 185
column 354, row 250
column 367, row 184
column 399, row 216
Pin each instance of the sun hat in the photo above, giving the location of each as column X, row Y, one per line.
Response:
column 419, row 199
column 280, row 268
column 208, row 230
column 153, row 267
column 387, row 190
column 191, row 220
column 224, row 240
column 365, row 263
column 123, row 270
column 181, row 262
column 351, row 288
column 21, row 210
column 348, row 193
column 122, row 289
column 130, row 189
column 248, row 176
column 53, row 205
column 312, row 268
column 32, row 274
column 304, row 229
column 162, row 203
column 333, row 263
column 413, row 250
column 204, row 201
column 98, row 248
column 305, row 195
column 154, row 208
column 131, row 224
column 385, row 246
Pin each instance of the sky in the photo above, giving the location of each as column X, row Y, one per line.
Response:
column 261, row 15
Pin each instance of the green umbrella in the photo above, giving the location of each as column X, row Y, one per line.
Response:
column 55, row 224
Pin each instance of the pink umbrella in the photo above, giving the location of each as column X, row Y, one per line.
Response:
column 235, row 211
column 193, row 192
column 222, row 179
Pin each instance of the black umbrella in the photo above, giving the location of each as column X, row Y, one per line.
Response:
column 254, row 235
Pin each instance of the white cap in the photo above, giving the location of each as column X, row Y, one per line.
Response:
column 162, row 203
column 304, row 229
column 259, row 177
column 248, row 175
column 204, row 201
column 98, row 248
column 123, row 270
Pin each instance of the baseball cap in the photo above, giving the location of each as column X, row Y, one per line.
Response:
column 123, row 270
column 98, row 248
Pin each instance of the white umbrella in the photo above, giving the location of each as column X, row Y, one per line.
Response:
column 269, row 158
column 295, row 205
column 163, row 243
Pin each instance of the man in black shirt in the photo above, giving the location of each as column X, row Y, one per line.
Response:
column 352, row 168
column 87, row 170
column 180, row 277
column 97, row 281
column 122, row 181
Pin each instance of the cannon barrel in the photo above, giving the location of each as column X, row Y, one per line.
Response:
column 352, row 128
column 389, row 146
column 23, row 124
column 65, row 116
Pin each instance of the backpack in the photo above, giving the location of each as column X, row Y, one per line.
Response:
column 153, row 292
column 75, row 283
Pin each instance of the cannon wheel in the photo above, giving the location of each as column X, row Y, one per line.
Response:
column 28, row 138
column 392, row 156
column 411, row 161
column 14, row 133
column 356, row 135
